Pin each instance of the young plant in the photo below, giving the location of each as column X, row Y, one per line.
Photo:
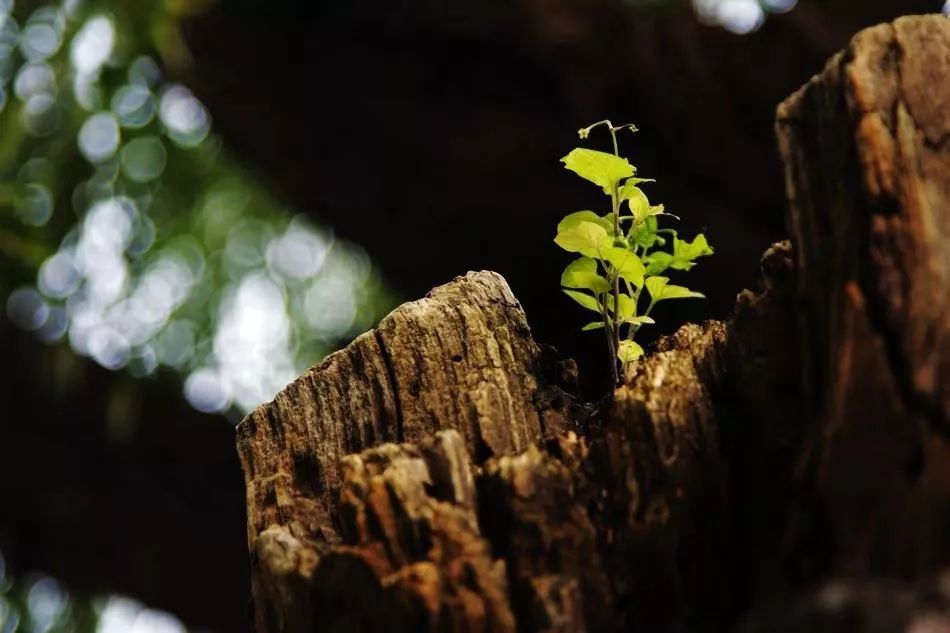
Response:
column 622, row 252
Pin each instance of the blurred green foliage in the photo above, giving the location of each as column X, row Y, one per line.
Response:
column 127, row 230
column 40, row 604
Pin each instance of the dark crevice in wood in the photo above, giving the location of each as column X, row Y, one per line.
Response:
column 391, row 377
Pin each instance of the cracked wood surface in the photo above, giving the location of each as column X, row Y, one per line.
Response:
column 474, row 503
column 867, row 168
column 438, row 474
column 462, row 359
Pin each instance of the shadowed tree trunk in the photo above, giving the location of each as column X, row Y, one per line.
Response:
column 787, row 468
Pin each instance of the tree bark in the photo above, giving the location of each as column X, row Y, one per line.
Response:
column 440, row 473
column 868, row 172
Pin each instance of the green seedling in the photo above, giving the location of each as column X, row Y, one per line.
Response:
column 622, row 252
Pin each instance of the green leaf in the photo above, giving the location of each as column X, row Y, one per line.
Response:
column 601, row 168
column 595, row 325
column 681, row 292
column 682, row 256
column 685, row 252
column 584, row 299
column 627, row 305
column 626, row 263
column 660, row 290
column 582, row 273
column 658, row 262
column 573, row 219
column 655, row 286
column 584, row 237
column 640, row 320
column 629, row 351
column 640, row 206
column 644, row 233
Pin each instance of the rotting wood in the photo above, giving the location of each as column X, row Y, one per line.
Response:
column 867, row 167
column 438, row 474
column 461, row 359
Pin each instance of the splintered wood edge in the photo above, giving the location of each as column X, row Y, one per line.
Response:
column 461, row 358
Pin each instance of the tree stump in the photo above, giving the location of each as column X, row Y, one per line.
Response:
column 441, row 474
column 868, row 172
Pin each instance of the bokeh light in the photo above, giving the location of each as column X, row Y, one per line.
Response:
column 92, row 45
column 134, row 105
column 739, row 16
column 38, row 603
column 45, row 601
column 185, row 118
column 34, row 79
column 143, row 159
column 33, row 204
column 99, row 137
column 118, row 614
column 164, row 255
column 27, row 308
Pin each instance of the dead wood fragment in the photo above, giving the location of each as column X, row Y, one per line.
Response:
column 461, row 359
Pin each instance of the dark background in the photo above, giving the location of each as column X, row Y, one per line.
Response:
column 430, row 133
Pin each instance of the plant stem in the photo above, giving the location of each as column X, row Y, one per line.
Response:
column 613, row 329
column 611, row 346
column 585, row 131
column 615, row 209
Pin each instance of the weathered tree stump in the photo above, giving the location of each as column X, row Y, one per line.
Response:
column 440, row 474
column 868, row 172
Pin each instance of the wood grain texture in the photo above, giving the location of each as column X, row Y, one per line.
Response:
column 438, row 474
column 461, row 359
column 868, row 174
column 867, row 169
